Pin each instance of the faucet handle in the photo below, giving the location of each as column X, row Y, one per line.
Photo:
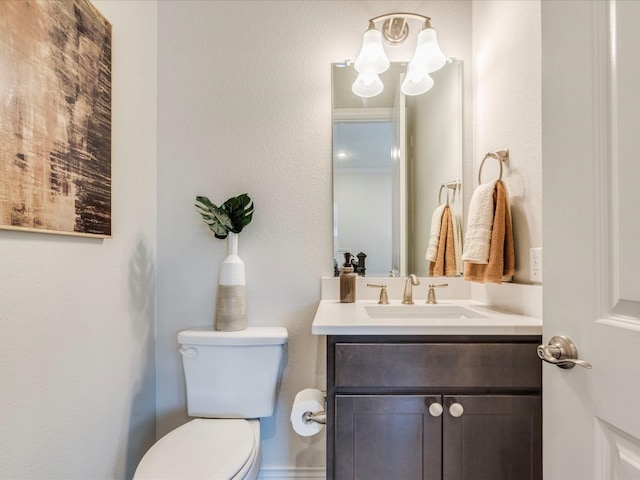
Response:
column 384, row 298
column 431, row 295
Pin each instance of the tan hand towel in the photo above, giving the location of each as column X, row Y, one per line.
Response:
column 445, row 263
column 501, row 249
column 457, row 243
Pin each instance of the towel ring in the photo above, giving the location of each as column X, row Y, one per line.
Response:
column 446, row 191
column 500, row 155
column 455, row 186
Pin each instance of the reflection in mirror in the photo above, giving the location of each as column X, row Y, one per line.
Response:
column 392, row 154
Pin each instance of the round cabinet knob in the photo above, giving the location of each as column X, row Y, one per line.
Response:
column 435, row 409
column 456, row 410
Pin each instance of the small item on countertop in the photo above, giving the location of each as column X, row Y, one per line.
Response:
column 347, row 285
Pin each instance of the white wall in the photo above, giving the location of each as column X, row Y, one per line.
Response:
column 364, row 191
column 244, row 105
column 507, row 111
column 77, row 366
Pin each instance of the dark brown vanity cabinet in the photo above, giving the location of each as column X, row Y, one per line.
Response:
column 410, row 408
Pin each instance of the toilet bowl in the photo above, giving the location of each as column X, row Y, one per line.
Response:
column 231, row 380
column 214, row 449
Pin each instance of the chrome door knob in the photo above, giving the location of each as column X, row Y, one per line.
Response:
column 561, row 351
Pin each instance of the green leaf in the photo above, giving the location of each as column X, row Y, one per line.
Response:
column 240, row 210
column 215, row 217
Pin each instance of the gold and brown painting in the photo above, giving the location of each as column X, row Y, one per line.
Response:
column 55, row 117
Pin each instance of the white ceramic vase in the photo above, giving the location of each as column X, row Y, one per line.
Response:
column 231, row 304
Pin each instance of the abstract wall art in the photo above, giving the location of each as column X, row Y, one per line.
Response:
column 55, row 117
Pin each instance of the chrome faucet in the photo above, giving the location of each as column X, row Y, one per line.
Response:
column 407, row 297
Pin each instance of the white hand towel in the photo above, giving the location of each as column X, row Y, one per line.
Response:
column 479, row 224
column 434, row 234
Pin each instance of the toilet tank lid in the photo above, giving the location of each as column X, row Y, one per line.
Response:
column 249, row 336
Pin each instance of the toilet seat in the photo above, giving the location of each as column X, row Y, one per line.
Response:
column 215, row 449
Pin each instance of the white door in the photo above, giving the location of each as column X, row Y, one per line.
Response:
column 591, row 221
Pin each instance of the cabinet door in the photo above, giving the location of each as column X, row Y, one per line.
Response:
column 494, row 437
column 379, row 437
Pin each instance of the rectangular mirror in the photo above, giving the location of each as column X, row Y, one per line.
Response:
column 396, row 158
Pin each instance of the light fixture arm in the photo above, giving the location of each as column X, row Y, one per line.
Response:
column 405, row 15
column 395, row 28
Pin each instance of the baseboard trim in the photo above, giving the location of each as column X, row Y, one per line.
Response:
column 297, row 473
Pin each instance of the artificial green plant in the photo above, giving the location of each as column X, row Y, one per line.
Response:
column 232, row 216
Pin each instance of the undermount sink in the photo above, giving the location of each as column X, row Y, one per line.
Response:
column 420, row 311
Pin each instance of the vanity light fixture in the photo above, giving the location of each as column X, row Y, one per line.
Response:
column 373, row 60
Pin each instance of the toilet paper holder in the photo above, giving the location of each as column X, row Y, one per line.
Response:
column 309, row 411
column 315, row 417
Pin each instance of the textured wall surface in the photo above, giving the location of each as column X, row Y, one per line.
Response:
column 507, row 111
column 77, row 366
column 244, row 105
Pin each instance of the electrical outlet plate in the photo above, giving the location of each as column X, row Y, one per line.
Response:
column 535, row 264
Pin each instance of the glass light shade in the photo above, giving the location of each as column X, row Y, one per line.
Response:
column 416, row 83
column 367, row 85
column 372, row 58
column 428, row 55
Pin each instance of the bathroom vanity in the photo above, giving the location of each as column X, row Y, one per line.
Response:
column 448, row 393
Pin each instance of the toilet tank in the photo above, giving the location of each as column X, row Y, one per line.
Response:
column 232, row 374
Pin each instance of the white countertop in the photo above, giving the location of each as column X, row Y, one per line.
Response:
column 335, row 318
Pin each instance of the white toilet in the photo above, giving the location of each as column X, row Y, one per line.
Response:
column 231, row 380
